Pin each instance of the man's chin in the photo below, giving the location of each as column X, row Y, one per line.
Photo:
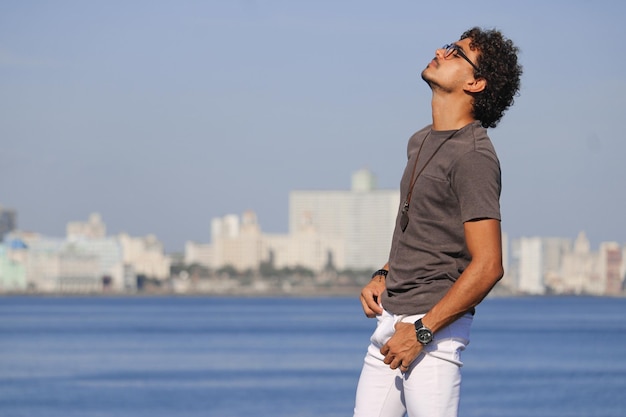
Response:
column 426, row 78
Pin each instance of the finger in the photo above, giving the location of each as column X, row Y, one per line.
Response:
column 366, row 309
column 395, row 363
column 370, row 306
column 373, row 305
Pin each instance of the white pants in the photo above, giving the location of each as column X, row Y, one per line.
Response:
column 431, row 385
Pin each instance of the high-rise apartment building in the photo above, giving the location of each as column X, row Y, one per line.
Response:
column 362, row 217
column 540, row 263
column 531, row 266
column 237, row 242
column 8, row 221
column 610, row 267
column 578, row 268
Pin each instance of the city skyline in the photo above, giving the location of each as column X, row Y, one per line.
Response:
column 162, row 116
column 241, row 258
column 243, row 213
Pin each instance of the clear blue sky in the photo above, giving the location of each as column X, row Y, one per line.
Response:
column 161, row 115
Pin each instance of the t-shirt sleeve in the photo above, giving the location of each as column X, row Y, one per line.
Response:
column 476, row 181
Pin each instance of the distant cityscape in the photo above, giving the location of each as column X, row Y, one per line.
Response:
column 336, row 238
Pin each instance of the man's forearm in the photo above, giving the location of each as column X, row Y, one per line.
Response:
column 466, row 293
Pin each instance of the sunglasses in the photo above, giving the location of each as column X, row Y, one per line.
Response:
column 452, row 49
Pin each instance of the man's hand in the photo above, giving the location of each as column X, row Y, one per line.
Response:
column 402, row 349
column 370, row 296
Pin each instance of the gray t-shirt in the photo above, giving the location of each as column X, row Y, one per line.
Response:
column 461, row 183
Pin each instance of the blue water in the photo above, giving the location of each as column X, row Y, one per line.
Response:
column 232, row 357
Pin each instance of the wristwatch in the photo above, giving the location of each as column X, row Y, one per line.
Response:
column 423, row 333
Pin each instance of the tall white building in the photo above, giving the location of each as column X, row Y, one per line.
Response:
column 531, row 266
column 540, row 263
column 578, row 268
column 237, row 242
column 362, row 217
column 144, row 256
column 198, row 253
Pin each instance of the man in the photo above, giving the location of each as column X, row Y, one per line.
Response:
column 446, row 252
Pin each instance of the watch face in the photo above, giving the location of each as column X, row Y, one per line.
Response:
column 424, row 336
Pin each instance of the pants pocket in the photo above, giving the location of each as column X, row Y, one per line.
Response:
column 385, row 328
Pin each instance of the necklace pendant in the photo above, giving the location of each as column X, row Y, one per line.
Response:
column 404, row 217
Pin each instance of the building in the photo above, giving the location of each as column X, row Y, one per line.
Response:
column 539, row 264
column 85, row 261
column 530, row 274
column 94, row 228
column 363, row 218
column 144, row 256
column 198, row 254
column 307, row 249
column 610, row 268
column 578, row 268
column 240, row 243
column 8, row 221
column 237, row 243
column 55, row 265
column 12, row 271
column 340, row 229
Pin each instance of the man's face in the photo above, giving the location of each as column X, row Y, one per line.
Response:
column 451, row 68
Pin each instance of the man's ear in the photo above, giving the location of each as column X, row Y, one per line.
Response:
column 476, row 85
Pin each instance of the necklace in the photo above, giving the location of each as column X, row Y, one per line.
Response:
column 404, row 217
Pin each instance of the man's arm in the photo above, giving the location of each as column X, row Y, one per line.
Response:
column 484, row 242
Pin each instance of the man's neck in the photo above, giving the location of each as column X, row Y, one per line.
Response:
column 450, row 112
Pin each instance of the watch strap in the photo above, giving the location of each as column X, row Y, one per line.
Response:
column 382, row 272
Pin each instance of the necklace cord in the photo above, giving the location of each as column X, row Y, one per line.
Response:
column 404, row 221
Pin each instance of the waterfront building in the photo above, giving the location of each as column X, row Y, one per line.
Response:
column 622, row 271
column 8, row 221
column 237, row 242
column 240, row 243
column 110, row 262
column 530, row 278
column 610, row 267
column 198, row 254
column 76, row 271
column 578, row 268
column 539, row 262
column 12, row 271
column 305, row 248
column 55, row 265
column 85, row 261
column 144, row 256
column 363, row 218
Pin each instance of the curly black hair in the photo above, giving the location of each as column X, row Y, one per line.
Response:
column 497, row 62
